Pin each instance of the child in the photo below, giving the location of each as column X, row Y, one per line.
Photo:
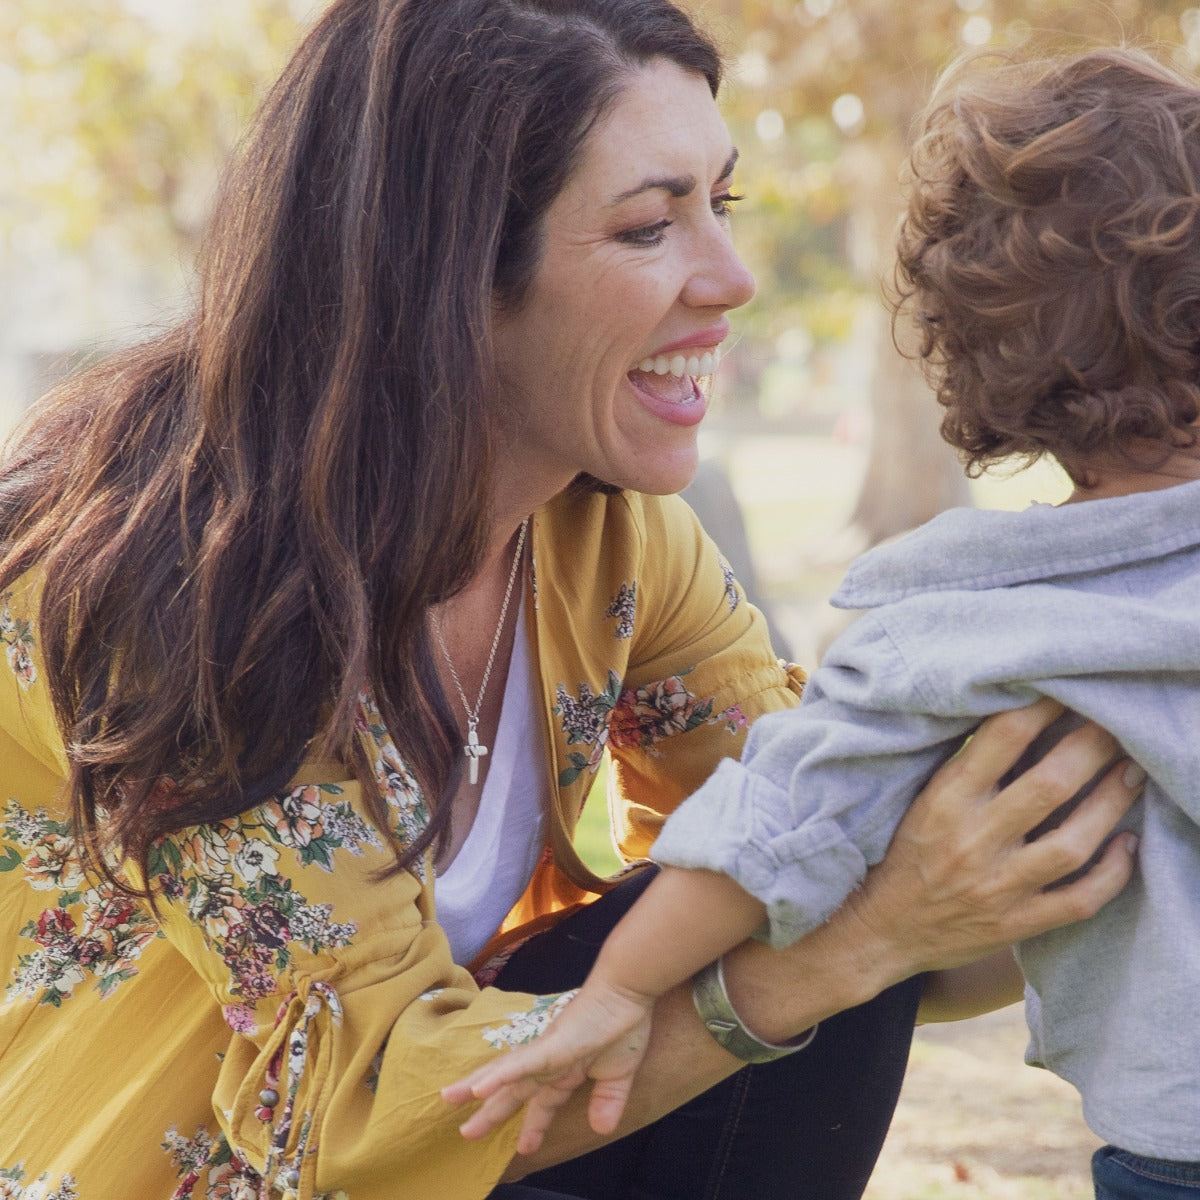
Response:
column 1051, row 257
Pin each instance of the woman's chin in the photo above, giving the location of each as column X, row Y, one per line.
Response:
column 670, row 474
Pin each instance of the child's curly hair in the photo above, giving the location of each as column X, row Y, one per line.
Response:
column 1051, row 258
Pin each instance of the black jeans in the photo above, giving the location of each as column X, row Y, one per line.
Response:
column 806, row 1126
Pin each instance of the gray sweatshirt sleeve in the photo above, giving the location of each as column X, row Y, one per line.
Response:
column 819, row 789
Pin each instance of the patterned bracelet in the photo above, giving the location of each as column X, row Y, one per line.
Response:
column 712, row 1002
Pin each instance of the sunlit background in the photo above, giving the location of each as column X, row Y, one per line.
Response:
column 117, row 115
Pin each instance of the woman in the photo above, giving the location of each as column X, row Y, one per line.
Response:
column 317, row 615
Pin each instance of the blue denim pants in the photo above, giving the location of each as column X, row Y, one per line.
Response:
column 1119, row 1175
column 809, row 1125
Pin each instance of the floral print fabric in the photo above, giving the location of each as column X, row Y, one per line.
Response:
column 636, row 717
column 13, row 1186
column 231, row 880
column 648, row 715
column 522, row 1027
column 624, row 610
column 86, row 932
column 16, row 634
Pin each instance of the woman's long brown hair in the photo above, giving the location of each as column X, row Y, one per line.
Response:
column 242, row 522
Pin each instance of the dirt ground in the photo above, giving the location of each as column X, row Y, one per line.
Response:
column 975, row 1123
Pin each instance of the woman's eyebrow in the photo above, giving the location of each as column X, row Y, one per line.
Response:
column 677, row 186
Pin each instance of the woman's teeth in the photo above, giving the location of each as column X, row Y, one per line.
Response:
column 681, row 365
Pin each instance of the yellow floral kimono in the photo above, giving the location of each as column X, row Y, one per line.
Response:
column 284, row 1022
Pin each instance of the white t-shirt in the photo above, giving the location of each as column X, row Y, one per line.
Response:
column 496, row 862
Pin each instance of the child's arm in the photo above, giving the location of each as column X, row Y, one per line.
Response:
column 684, row 921
column 967, row 991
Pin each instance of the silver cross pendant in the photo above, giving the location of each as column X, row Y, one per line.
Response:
column 474, row 750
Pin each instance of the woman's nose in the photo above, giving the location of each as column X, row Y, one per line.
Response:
column 721, row 279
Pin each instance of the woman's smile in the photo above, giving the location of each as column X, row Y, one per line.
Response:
column 678, row 366
column 675, row 398
column 668, row 383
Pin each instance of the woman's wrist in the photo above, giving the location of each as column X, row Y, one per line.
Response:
column 710, row 995
column 782, row 993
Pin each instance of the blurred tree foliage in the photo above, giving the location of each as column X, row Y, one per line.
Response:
column 117, row 114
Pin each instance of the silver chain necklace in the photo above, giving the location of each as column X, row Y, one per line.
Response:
column 474, row 748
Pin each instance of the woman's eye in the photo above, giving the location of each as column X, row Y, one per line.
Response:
column 646, row 235
column 723, row 204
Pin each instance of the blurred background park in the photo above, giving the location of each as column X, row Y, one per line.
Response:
column 117, row 116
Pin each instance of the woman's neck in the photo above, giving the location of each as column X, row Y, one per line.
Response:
column 520, row 487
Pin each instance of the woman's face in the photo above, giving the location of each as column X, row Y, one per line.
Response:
column 629, row 301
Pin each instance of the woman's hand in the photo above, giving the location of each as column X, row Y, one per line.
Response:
column 961, row 866
column 961, row 879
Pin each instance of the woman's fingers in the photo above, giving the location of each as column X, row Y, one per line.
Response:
column 974, row 774
column 963, row 811
column 1080, row 899
column 1072, row 844
column 1045, row 785
column 995, row 748
column 963, row 878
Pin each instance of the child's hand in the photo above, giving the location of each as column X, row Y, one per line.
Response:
column 601, row 1035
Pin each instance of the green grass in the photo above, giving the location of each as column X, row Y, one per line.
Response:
column 592, row 837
